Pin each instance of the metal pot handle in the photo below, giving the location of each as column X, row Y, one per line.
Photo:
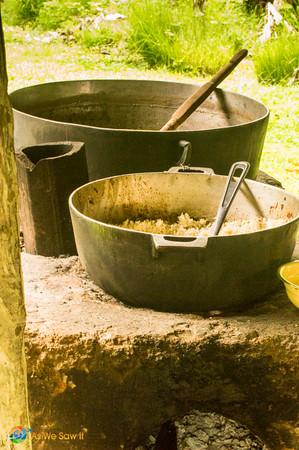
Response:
column 183, row 166
column 190, row 169
column 163, row 243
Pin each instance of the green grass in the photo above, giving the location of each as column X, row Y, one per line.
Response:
column 166, row 33
column 171, row 35
column 276, row 60
column 162, row 33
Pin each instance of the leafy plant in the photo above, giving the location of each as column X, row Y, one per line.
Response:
column 16, row 12
column 101, row 37
column 55, row 13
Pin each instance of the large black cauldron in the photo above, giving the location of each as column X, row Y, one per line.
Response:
column 119, row 121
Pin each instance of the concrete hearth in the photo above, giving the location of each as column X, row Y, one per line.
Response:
column 109, row 374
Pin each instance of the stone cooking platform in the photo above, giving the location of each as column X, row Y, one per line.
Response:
column 117, row 373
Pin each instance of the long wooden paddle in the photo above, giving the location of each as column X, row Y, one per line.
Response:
column 199, row 96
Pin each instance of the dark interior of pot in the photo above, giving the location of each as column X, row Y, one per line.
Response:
column 38, row 152
column 135, row 105
column 167, row 195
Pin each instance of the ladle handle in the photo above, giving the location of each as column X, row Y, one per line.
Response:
column 230, row 191
column 199, row 96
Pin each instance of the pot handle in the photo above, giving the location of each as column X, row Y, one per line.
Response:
column 163, row 243
column 183, row 164
column 188, row 169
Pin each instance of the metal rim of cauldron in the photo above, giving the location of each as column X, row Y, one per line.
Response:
column 262, row 117
column 109, row 225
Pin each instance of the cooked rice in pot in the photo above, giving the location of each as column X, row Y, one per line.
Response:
column 187, row 226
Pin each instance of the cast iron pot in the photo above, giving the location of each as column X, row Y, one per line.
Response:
column 119, row 122
column 177, row 273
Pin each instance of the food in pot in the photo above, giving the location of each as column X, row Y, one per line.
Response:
column 187, row 226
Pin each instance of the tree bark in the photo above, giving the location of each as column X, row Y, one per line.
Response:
column 13, row 382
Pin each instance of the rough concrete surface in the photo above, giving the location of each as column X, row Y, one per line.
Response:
column 116, row 373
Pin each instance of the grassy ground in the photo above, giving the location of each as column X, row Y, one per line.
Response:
column 32, row 59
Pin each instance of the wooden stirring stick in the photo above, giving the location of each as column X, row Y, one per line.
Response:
column 199, row 96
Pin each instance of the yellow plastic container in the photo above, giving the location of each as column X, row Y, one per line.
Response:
column 289, row 274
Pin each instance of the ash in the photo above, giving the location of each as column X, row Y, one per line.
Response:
column 200, row 431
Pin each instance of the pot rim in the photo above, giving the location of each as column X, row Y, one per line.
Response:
column 122, row 229
column 125, row 130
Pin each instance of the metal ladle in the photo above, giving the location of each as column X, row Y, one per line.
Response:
column 230, row 191
column 231, row 187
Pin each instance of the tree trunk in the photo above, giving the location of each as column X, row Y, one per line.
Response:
column 13, row 383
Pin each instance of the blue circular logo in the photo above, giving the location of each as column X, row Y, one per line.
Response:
column 17, row 434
